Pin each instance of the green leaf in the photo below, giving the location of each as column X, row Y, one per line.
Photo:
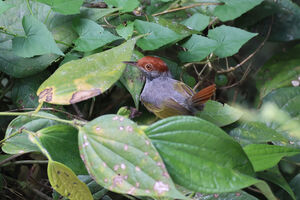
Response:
column 198, row 47
column 66, row 7
column 279, row 72
column 23, row 93
column 91, row 35
column 233, row 9
column 124, row 5
column 295, row 184
column 64, row 181
column 256, row 132
column 20, row 143
column 230, row 39
column 264, row 156
column 38, row 39
column 239, row 195
column 61, row 141
column 266, row 190
column 161, row 32
column 125, row 31
column 219, row 114
column 122, row 159
column 200, row 156
column 81, row 79
column 197, row 22
column 133, row 79
column 4, row 6
column 274, row 176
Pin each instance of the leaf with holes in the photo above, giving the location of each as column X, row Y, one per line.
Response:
column 20, row 143
column 122, row 159
column 230, row 39
column 264, row 156
column 219, row 114
column 233, row 9
column 82, row 79
column 200, row 156
column 64, row 181
column 38, row 39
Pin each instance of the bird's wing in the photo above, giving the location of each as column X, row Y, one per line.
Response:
column 183, row 89
column 168, row 108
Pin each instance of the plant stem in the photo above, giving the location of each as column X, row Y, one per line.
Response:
column 47, row 16
column 61, row 42
column 187, row 7
column 10, row 136
column 29, row 8
column 21, row 162
column 8, row 33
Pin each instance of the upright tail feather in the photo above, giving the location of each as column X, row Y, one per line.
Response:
column 203, row 95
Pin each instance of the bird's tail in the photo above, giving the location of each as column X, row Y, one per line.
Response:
column 203, row 95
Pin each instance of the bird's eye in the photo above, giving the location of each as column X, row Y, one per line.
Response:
column 149, row 67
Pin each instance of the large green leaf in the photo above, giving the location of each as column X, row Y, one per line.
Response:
column 279, row 71
column 133, row 79
column 274, row 176
column 61, row 141
column 256, row 132
column 81, row 79
column 123, row 5
column 219, row 114
column 197, row 22
column 20, row 142
column 230, row 39
column 122, row 159
column 264, row 156
column 64, row 181
column 38, row 39
column 125, row 30
column 91, row 35
column 200, row 156
column 66, row 7
column 4, row 6
column 23, row 92
column 198, row 47
column 239, row 195
column 233, row 9
column 161, row 32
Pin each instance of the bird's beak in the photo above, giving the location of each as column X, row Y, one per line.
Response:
column 133, row 63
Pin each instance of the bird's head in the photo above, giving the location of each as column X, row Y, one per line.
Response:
column 152, row 67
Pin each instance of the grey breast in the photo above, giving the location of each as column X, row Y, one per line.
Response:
column 160, row 89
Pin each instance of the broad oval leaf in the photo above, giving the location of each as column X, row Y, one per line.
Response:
column 120, row 157
column 198, row 47
column 200, row 156
column 233, row 9
column 37, row 41
column 64, row 181
column 66, row 7
column 124, row 5
column 161, row 32
column 219, row 114
column 81, row 79
column 61, row 142
column 21, row 143
column 264, row 156
column 197, row 22
column 230, row 39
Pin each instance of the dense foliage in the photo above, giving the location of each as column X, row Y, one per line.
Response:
column 71, row 120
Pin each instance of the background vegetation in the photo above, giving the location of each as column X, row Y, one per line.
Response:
column 72, row 126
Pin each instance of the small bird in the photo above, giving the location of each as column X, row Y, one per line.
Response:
column 165, row 96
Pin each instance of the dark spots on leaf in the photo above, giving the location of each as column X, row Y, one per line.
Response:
column 84, row 94
column 32, row 97
column 67, row 175
column 74, row 183
column 68, row 194
column 58, row 172
column 57, row 186
column 46, row 95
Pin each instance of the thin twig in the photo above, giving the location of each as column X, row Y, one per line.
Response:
column 187, row 7
column 10, row 158
column 250, row 56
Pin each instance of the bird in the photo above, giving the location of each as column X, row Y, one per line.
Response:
column 165, row 96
